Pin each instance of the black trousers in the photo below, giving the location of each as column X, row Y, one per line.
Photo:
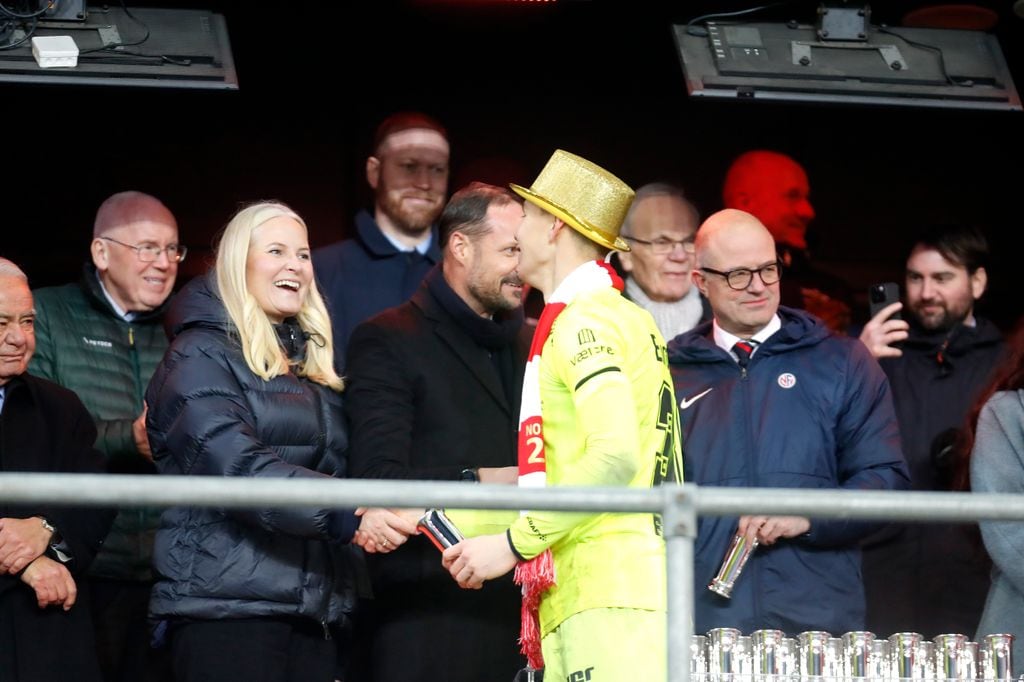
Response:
column 119, row 613
column 252, row 650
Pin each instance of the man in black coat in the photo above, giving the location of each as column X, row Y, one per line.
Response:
column 933, row 578
column 433, row 393
column 44, row 549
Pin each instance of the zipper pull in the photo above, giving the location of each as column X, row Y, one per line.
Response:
column 327, row 630
column 131, row 336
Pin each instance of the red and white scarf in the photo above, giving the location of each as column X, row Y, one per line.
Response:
column 537, row 575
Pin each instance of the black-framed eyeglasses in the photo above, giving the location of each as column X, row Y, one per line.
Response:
column 740, row 278
column 149, row 253
column 664, row 245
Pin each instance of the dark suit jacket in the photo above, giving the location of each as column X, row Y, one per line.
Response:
column 45, row 428
column 425, row 402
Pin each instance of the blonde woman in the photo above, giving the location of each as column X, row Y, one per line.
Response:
column 248, row 388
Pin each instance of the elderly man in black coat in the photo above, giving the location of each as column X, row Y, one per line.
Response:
column 45, row 631
column 433, row 393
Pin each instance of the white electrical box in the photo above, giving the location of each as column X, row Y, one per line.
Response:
column 52, row 51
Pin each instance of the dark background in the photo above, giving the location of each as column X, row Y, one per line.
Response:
column 512, row 81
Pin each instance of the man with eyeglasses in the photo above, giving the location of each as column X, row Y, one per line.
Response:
column 660, row 226
column 46, row 632
column 769, row 397
column 103, row 337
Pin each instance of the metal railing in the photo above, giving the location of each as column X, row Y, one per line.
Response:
column 679, row 506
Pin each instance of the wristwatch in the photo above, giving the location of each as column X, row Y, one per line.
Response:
column 471, row 475
column 57, row 549
column 48, row 526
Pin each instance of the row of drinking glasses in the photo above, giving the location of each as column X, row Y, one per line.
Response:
column 724, row 653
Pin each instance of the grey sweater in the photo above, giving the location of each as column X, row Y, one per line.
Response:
column 997, row 466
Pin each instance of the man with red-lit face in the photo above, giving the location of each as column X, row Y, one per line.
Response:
column 395, row 242
column 774, row 188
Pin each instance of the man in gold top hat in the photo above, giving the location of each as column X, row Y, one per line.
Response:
column 594, row 584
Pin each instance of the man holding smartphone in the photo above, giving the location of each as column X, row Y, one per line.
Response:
column 929, row 578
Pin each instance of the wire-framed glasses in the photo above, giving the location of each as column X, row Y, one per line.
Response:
column 664, row 245
column 148, row 253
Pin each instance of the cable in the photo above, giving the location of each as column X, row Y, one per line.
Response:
column 701, row 32
column 9, row 27
column 29, row 32
column 117, row 48
column 6, row 11
column 942, row 60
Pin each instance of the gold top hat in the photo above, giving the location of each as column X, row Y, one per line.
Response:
column 587, row 197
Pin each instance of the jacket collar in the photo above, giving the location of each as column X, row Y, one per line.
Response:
column 469, row 353
column 799, row 329
column 960, row 340
column 376, row 244
column 93, row 290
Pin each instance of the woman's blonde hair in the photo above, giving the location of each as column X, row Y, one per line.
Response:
column 260, row 345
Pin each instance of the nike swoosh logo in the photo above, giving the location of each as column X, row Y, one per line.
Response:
column 686, row 402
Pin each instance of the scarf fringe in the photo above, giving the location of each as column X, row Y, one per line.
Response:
column 536, row 577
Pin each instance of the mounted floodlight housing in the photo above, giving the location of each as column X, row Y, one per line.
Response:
column 833, row 62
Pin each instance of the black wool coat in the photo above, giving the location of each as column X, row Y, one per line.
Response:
column 45, row 428
column 425, row 401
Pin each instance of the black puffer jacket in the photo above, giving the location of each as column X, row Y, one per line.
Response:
column 209, row 415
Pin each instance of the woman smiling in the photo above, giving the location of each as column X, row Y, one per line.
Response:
column 248, row 389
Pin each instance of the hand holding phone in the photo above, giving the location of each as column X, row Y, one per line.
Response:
column 886, row 326
column 882, row 296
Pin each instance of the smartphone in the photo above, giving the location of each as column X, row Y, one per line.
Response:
column 881, row 295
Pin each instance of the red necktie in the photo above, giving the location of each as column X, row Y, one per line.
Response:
column 743, row 349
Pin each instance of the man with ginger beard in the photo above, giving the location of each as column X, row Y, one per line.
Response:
column 432, row 393
column 394, row 247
